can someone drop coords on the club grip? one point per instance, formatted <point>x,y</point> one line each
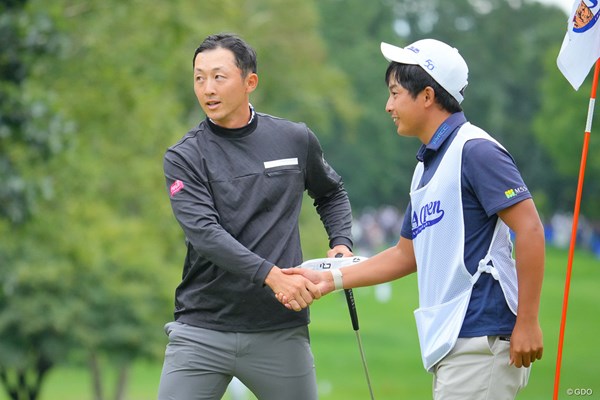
<point>351,304</point>
<point>352,308</point>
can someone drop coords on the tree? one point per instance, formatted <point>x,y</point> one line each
<point>37,290</point>
<point>111,247</point>
<point>560,127</point>
<point>503,95</point>
<point>31,133</point>
<point>376,166</point>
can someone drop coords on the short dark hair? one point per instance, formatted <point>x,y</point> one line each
<point>414,79</point>
<point>245,56</point>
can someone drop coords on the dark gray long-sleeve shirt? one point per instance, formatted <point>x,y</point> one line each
<point>237,194</point>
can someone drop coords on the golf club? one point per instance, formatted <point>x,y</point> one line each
<point>323,264</point>
<point>354,318</point>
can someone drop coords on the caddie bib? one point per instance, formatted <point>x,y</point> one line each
<point>438,235</point>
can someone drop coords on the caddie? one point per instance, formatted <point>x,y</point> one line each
<point>477,319</point>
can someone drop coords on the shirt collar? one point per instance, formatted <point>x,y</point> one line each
<point>252,114</point>
<point>235,132</point>
<point>443,132</point>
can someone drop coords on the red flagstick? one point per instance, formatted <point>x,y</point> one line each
<point>586,141</point>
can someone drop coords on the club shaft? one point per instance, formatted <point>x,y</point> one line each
<point>364,362</point>
<point>354,317</point>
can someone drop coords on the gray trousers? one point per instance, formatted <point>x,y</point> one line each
<point>200,363</point>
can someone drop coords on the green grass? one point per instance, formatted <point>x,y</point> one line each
<point>390,343</point>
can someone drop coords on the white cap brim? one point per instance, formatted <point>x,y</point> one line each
<point>398,54</point>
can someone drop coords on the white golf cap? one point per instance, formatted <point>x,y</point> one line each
<point>438,59</point>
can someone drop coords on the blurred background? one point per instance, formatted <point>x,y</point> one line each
<point>92,92</point>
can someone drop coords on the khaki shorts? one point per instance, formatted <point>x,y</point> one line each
<point>478,369</point>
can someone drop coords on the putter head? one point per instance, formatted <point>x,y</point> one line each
<point>328,263</point>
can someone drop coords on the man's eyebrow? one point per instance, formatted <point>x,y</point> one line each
<point>219,68</point>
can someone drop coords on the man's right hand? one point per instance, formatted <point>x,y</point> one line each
<point>322,279</point>
<point>296,289</point>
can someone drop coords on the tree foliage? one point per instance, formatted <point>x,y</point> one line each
<point>375,164</point>
<point>100,259</point>
<point>32,132</point>
<point>503,42</point>
<point>93,92</point>
<point>559,128</point>
<point>31,129</point>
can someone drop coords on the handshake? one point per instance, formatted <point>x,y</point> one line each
<point>311,280</point>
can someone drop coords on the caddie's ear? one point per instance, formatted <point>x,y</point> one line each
<point>251,82</point>
<point>428,95</point>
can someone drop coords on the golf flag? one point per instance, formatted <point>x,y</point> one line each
<point>581,46</point>
<point>579,51</point>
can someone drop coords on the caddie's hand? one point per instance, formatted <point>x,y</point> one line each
<point>299,291</point>
<point>322,279</point>
<point>340,249</point>
<point>526,344</point>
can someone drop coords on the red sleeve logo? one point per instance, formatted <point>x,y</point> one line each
<point>176,187</point>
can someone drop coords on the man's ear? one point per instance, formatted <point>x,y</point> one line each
<point>251,82</point>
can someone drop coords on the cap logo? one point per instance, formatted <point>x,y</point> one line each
<point>413,49</point>
<point>429,65</point>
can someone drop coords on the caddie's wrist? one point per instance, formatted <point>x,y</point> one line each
<point>338,283</point>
